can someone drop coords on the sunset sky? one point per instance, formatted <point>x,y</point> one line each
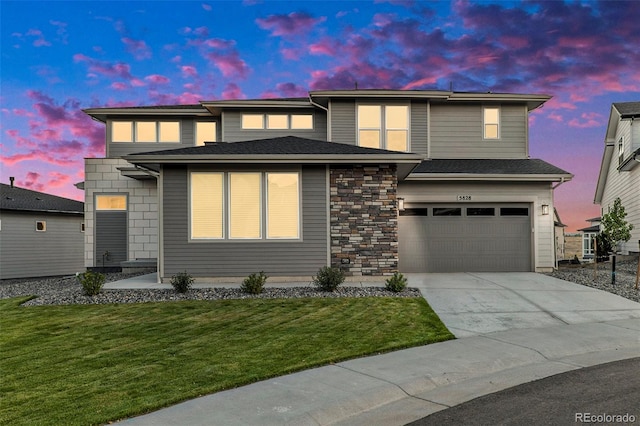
<point>59,57</point>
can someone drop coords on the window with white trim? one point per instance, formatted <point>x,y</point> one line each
<point>491,119</point>
<point>620,151</point>
<point>230,206</point>
<point>383,127</point>
<point>277,121</point>
<point>205,132</point>
<point>145,131</point>
<point>41,226</point>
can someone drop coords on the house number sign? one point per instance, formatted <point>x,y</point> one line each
<point>464,197</point>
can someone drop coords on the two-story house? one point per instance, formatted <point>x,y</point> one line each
<point>620,169</point>
<point>371,181</point>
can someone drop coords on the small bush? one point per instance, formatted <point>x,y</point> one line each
<point>254,283</point>
<point>396,283</point>
<point>181,282</point>
<point>91,282</point>
<point>328,279</point>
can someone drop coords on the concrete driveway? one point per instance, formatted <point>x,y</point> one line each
<point>478,303</point>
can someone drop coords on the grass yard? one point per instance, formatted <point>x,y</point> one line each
<point>91,364</point>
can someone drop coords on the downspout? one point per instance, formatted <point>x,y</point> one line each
<point>317,105</point>
<point>555,242</point>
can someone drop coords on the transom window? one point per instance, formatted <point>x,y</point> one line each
<point>205,132</point>
<point>384,127</point>
<point>245,205</point>
<point>111,202</point>
<point>491,122</point>
<point>145,131</point>
<point>277,121</point>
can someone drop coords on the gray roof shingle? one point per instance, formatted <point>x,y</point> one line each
<point>489,166</point>
<point>628,109</point>
<point>274,146</point>
<point>27,200</point>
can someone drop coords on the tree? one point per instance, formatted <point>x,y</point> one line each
<point>615,228</point>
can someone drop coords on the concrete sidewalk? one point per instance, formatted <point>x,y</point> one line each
<point>512,329</point>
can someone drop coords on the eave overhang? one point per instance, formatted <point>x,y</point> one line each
<point>533,101</point>
<point>216,107</point>
<point>101,114</point>
<point>604,171</point>
<point>489,177</point>
<point>405,162</point>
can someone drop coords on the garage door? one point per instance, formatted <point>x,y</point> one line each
<point>465,238</point>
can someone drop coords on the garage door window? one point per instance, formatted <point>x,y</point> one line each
<point>481,211</point>
<point>514,211</point>
<point>447,211</point>
<point>414,212</point>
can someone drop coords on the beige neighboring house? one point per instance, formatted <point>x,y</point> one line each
<point>620,169</point>
<point>588,236</point>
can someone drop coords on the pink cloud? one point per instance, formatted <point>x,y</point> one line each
<point>230,64</point>
<point>293,24</point>
<point>31,182</point>
<point>40,40</point>
<point>138,48</point>
<point>232,91</point>
<point>188,71</point>
<point>420,83</point>
<point>118,85</point>
<point>588,119</point>
<point>157,79</point>
<point>325,46</point>
<point>207,7</point>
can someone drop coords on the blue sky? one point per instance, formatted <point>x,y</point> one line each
<point>61,56</point>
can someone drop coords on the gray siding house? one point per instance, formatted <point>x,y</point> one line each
<point>370,181</point>
<point>40,234</point>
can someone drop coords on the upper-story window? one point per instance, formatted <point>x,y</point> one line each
<point>145,131</point>
<point>384,127</point>
<point>620,151</point>
<point>491,122</point>
<point>277,121</point>
<point>205,132</point>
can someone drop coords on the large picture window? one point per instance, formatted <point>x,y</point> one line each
<point>246,214</point>
<point>384,127</point>
<point>205,132</point>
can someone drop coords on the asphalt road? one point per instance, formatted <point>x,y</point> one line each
<point>593,395</point>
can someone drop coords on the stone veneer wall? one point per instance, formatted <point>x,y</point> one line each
<point>364,219</point>
<point>102,176</point>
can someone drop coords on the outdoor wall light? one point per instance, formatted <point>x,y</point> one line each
<point>401,204</point>
<point>545,209</point>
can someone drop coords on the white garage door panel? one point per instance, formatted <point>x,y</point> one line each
<point>465,243</point>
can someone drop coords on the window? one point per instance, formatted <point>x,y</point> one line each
<point>447,211</point>
<point>302,121</point>
<point>514,211</point>
<point>393,135</point>
<point>82,227</point>
<point>205,132</point>
<point>277,121</point>
<point>111,202</point>
<point>620,151</point>
<point>246,213</point>
<point>244,205</point>
<point>207,205</point>
<point>283,205</point>
<point>415,212</point>
<point>491,123</point>
<point>481,211</point>
<point>588,244</point>
<point>41,226</point>
<point>252,121</point>
<point>145,131</point>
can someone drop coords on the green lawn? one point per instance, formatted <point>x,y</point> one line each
<point>89,364</point>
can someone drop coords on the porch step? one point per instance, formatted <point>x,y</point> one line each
<point>139,265</point>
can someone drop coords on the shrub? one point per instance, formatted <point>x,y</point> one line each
<point>254,283</point>
<point>181,282</point>
<point>328,279</point>
<point>396,283</point>
<point>91,282</point>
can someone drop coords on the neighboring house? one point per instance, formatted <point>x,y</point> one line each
<point>559,234</point>
<point>620,169</point>
<point>40,234</point>
<point>588,237</point>
<point>371,181</point>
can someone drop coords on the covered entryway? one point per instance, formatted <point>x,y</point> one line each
<point>465,238</point>
<point>110,229</point>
